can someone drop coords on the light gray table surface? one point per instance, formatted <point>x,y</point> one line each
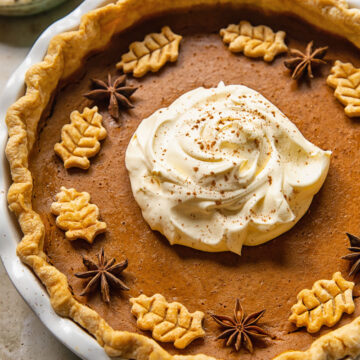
<point>22,335</point>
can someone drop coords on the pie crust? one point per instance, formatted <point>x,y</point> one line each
<point>65,55</point>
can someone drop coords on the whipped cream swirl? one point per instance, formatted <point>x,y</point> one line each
<point>221,168</point>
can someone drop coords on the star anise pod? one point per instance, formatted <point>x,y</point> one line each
<point>113,91</point>
<point>355,256</point>
<point>105,272</point>
<point>241,328</point>
<point>302,63</point>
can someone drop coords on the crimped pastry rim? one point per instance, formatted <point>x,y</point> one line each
<point>61,61</point>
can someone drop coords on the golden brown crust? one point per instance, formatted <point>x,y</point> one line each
<point>65,55</point>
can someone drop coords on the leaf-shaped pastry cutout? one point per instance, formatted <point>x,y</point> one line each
<point>76,215</point>
<point>152,53</point>
<point>169,322</point>
<point>345,79</point>
<point>254,41</point>
<point>324,304</point>
<point>80,138</point>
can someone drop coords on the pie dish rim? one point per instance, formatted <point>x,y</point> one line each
<point>338,343</point>
<point>21,276</point>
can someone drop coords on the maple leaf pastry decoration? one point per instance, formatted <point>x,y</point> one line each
<point>116,92</point>
<point>240,329</point>
<point>104,273</point>
<point>303,63</point>
<point>354,257</point>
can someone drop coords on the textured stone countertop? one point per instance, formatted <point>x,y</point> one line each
<point>22,335</point>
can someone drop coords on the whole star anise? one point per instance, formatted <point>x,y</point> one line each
<point>115,92</point>
<point>104,272</point>
<point>355,256</point>
<point>241,328</point>
<point>302,63</point>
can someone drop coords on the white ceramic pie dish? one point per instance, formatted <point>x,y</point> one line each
<point>29,287</point>
<point>22,277</point>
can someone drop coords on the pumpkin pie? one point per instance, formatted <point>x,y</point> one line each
<point>185,177</point>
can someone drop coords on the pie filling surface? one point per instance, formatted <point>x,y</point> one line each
<point>268,276</point>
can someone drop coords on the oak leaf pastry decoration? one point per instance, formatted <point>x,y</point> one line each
<point>345,79</point>
<point>151,54</point>
<point>105,273</point>
<point>254,41</point>
<point>76,215</point>
<point>241,328</point>
<point>354,257</point>
<point>114,91</point>
<point>303,63</point>
<point>169,322</point>
<point>324,304</point>
<point>80,140</point>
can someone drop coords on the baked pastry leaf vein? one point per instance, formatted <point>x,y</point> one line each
<point>254,41</point>
<point>345,79</point>
<point>169,322</point>
<point>76,215</point>
<point>80,139</point>
<point>324,304</point>
<point>151,54</point>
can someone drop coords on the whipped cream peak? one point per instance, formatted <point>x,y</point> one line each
<point>221,168</point>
